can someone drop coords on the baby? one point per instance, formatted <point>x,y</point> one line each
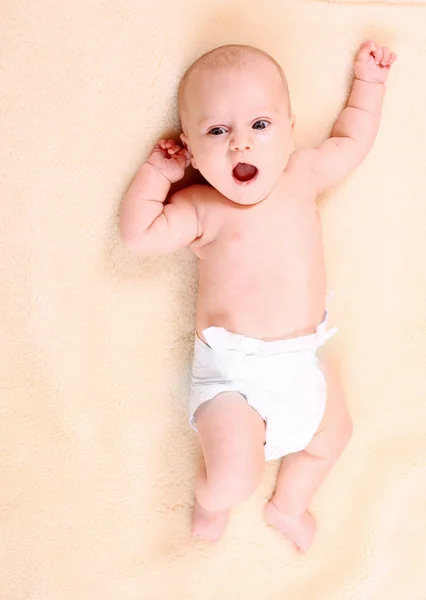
<point>259,391</point>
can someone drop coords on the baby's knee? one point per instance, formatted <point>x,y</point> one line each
<point>341,437</point>
<point>346,430</point>
<point>222,491</point>
<point>332,441</point>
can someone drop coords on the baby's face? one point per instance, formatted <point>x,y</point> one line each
<point>238,129</point>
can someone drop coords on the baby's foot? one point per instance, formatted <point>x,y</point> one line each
<point>208,525</point>
<point>300,528</point>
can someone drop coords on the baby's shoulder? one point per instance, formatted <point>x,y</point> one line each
<point>300,173</point>
<point>301,161</point>
<point>205,197</point>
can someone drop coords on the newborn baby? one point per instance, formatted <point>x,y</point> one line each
<point>259,391</point>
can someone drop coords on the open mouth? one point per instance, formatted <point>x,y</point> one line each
<point>244,173</point>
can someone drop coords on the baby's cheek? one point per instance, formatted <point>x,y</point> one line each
<point>208,165</point>
<point>215,174</point>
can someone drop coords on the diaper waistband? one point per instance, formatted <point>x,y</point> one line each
<point>219,338</point>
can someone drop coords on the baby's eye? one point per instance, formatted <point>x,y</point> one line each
<point>261,125</point>
<point>217,131</point>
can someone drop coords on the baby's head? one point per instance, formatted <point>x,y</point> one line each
<point>236,120</point>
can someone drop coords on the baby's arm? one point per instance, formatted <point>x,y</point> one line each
<point>147,226</point>
<point>356,128</point>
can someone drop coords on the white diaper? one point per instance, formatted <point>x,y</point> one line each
<point>281,380</point>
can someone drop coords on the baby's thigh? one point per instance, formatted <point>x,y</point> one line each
<point>232,436</point>
<point>335,428</point>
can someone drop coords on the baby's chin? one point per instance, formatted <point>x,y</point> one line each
<point>247,194</point>
<point>245,201</point>
<point>244,196</point>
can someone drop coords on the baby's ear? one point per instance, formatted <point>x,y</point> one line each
<point>184,140</point>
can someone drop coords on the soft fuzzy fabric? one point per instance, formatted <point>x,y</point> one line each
<point>96,457</point>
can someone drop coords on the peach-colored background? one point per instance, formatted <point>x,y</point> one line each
<point>96,457</point>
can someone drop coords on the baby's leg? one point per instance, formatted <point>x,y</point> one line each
<point>231,436</point>
<point>302,473</point>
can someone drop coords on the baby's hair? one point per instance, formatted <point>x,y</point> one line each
<point>232,55</point>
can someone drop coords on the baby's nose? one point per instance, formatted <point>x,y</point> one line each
<point>241,142</point>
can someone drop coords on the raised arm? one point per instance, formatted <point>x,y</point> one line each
<point>147,226</point>
<point>356,128</point>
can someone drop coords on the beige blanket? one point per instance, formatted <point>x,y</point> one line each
<point>96,457</point>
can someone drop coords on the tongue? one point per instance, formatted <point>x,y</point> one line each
<point>244,172</point>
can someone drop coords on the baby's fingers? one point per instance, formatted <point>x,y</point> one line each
<point>166,144</point>
<point>181,153</point>
<point>392,58</point>
<point>366,50</point>
<point>182,156</point>
<point>174,149</point>
<point>378,55</point>
<point>386,55</point>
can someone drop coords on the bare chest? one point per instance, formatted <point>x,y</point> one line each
<point>269,232</point>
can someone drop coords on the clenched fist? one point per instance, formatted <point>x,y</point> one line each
<point>373,63</point>
<point>170,160</point>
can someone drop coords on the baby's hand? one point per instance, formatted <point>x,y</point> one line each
<point>170,159</point>
<point>373,63</point>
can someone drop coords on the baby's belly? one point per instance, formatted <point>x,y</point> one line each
<point>270,303</point>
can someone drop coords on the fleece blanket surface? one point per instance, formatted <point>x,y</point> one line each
<point>96,457</point>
